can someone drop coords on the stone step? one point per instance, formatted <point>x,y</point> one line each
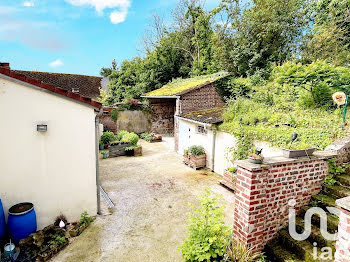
<point>315,235</point>
<point>303,249</point>
<point>332,221</point>
<point>323,201</point>
<point>336,191</point>
<point>343,180</point>
<point>277,253</point>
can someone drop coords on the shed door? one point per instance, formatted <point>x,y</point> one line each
<point>184,136</point>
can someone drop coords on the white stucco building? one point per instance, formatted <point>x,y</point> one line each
<point>54,169</point>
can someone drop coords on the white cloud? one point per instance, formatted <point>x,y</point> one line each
<point>56,63</point>
<point>116,16</point>
<point>28,4</point>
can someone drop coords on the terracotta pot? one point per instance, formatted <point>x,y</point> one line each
<point>138,151</point>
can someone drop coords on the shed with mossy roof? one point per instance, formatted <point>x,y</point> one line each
<point>182,96</point>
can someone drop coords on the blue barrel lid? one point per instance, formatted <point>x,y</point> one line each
<point>21,209</point>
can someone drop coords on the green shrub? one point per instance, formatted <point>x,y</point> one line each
<point>85,219</point>
<point>131,138</point>
<point>107,137</point>
<point>114,115</point>
<point>121,134</point>
<point>147,136</point>
<point>238,252</point>
<point>334,168</point>
<point>196,150</point>
<point>207,234</point>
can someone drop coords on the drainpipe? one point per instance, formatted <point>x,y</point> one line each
<point>97,122</point>
<point>213,150</point>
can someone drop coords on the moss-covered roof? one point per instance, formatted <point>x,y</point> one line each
<point>180,85</point>
<point>210,116</point>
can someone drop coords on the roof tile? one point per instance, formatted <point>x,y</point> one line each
<point>38,83</point>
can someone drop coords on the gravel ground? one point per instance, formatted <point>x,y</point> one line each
<point>151,194</point>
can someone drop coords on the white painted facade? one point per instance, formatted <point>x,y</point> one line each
<point>55,170</point>
<point>189,136</point>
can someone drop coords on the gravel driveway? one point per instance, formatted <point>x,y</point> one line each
<point>151,194</point>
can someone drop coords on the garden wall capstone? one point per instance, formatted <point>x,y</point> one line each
<point>263,194</point>
<point>343,241</point>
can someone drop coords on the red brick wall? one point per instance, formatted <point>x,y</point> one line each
<point>262,196</point>
<point>201,99</point>
<point>343,241</point>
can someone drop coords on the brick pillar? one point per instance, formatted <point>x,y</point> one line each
<point>250,207</point>
<point>263,194</point>
<point>343,242</point>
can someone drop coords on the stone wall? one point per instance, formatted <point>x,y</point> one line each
<point>343,240</point>
<point>132,121</point>
<point>341,148</point>
<point>163,118</point>
<point>263,193</point>
<point>202,98</point>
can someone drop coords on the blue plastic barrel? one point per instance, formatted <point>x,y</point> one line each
<point>21,221</point>
<point>2,221</point>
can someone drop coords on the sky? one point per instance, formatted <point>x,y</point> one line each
<point>75,36</point>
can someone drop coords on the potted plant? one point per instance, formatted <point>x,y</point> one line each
<point>151,137</point>
<point>256,157</point>
<point>101,145</point>
<point>229,179</point>
<point>196,157</point>
<point>106,138</point>
<point>133,149</point>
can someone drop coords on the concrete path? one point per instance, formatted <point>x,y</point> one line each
<point>151,194</point>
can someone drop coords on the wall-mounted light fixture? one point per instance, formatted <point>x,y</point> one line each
<point>41,128</point>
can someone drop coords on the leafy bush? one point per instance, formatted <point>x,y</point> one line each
<point>131,138</point>
<point>85,219</point>
<point>107,137</point>
<point>147,136</point>
<point>207,234</point>
<point>121,134</point>
<point>238,252</point>
<point>196,150</point>
<point>334,168</point>
<point>114,115</point>
<point>330,181</point>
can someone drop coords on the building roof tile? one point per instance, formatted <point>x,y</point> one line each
<point>5,70</point>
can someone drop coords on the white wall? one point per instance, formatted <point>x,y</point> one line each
<point>188,137</point>
<point>223,142</point>
<point>54,170</point>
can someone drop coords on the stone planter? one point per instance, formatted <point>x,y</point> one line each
<point>118,149</point>
<point>138,151</point>
<point>297,152</point>
<point>195,162</point>
<point>229,180</point>
<point>156,139</point>
<point>78,229</point>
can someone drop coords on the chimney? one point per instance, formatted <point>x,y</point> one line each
<point>5,65</point>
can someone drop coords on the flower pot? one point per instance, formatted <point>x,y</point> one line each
<point>102,147</point>
<point>254,160</point>
<point>105,155</point>
<point>229,180</point>
<point>293,153</point>
<point>197,161</point>
<point>138,151</point>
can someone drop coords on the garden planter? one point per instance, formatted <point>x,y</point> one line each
<point>138,151</point>
<point>297,152</point>
<point>78,229</point>
<point>156,139</point>
<point>102,147</point>
<point>255,160</point>
<point>118,149</point>
<point>229,180</point>
<point>195,161</point>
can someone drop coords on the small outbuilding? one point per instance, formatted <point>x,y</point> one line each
<point>48,147</point>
